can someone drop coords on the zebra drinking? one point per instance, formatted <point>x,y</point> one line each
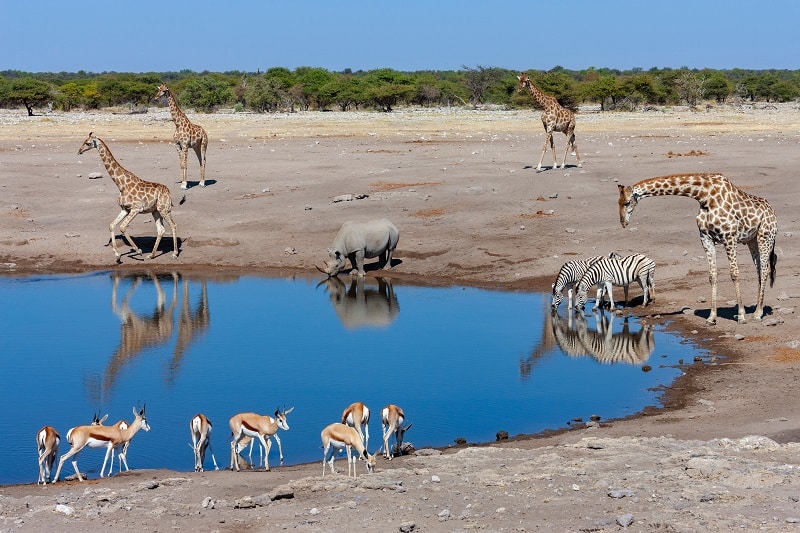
<point>621,272</point>
<point>568,276</point>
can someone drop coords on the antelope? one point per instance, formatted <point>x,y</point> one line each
<point>108,437</point>
<point>257,426</point>
<point>340,436</point>
<point>200,426</point>
<point>392,422</point>
<point>47,441</point>
<point>123,454</point>
<point>357,416</point>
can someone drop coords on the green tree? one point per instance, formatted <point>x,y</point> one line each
<point>29,92</point>
<point>204,93</point>
<point>385,88</point>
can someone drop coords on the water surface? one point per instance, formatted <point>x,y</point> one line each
<point>461,362</point>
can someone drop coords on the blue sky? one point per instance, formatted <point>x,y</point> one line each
<point>406,35</point>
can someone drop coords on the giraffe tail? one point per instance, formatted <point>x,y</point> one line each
<point>773,260</point>
<point>182,200</point>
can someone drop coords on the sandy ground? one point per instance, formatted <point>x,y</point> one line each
<point>472,210</point>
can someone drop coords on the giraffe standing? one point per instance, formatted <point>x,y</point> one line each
<point>727,216</point>
<point>135,196</point>
<point>187,135</point>
<point>554,118</point>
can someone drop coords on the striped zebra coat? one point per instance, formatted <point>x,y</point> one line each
<point>621,272</point>
<point>568,276</point>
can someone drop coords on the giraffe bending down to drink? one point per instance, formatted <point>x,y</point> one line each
<point>135,196</point>
<point>727,216</point>
<point>554,118</point>
<point>187,135</point>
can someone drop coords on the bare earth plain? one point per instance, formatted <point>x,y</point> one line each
<point>719,454</point>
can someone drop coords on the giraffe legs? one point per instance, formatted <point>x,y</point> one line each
<point>571,144</point>
<point>200,150</point>
<point>183,153</point>
<point>160,232</point>
<point>548,139</point>
<point>125,217</point>
<point>730,250</point>
<point>711,255</point>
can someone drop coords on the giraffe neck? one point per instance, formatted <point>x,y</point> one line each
<point>545,101</point>
<point>689,185</point>
<point>178,116</point>
<point>115,170</point>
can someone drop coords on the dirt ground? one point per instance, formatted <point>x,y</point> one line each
<point>472,210</point>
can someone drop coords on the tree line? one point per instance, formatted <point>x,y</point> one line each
<point>308,88</point>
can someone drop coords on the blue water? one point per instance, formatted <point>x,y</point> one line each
<point>461,362</point>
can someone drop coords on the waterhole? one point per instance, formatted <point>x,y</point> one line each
<point>463,363</point>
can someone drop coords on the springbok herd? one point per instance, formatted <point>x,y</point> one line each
<point>352,433</point>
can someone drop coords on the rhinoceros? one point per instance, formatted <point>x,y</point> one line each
<point>359,240</point>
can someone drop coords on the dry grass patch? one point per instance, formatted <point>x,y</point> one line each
<point>690,153</point>
<point>784,354</point>
<point>427,213</point>
<point>390,185</point>
<point>537,214</point>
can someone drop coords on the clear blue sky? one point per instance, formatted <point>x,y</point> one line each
<point>406,35</point>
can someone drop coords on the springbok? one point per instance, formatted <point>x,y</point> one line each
<point>200,426</point>
<point>337,436</point>
<point>392,422</point>
<point>357,416</point>
<point>47,441</point>
<point>108,437</point>
<point>257,426</point>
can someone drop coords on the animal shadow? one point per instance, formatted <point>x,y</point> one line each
<point>729,313</point>
<point>146,245</point>
<point>193,184</point>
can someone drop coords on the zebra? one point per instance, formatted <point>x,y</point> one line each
<point>621,272</point>
<point>568,276</point>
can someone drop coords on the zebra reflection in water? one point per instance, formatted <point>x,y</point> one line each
<point>572,335</point>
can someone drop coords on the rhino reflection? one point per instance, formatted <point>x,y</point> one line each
<point>363,306</point>
<point>574,338</point>
<point>140,331</point>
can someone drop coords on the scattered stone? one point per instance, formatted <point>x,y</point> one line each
<point>444,514</point>
<point>773,321</point>
<point>307,208</point>
<point>786,311</point>
<point>793,344</point>
<point>95,175</point>
<point>408,527</point>
<point>620,493</point>
<point>570,230</point>
<point>343,198</point>
<point>435,478</point>
<point>244,503</point>
<point>208,503</point>
<point>460,441</point>
<point>284,492</point>
<point>625,520</point>
<point>289,250</point>
<point>502,435</point>
<point>314,511</point>
<point>65,509</point>
<point>361,196</point>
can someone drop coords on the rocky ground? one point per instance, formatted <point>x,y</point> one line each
<point>460,185</point>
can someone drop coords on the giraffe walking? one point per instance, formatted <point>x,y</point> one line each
<point>187,135</point>
<point>727,216</point>
<point>135,196</point>
<point>554,118</point>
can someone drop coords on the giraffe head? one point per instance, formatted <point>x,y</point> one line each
<point>88,144</point>
<point>163,91</point>
<point>524,81</point>
<point>627,203</point>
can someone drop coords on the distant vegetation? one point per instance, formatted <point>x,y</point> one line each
<point>306,88</point>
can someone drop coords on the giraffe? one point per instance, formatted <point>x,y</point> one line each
<point>727,216</point>
<point>554,118</point>
<point>187,135</point>
<point>135,196</point>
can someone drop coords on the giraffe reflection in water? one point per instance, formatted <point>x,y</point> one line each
<point>573,337</point>
<point>142,331</point>
<point>361,305</point>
